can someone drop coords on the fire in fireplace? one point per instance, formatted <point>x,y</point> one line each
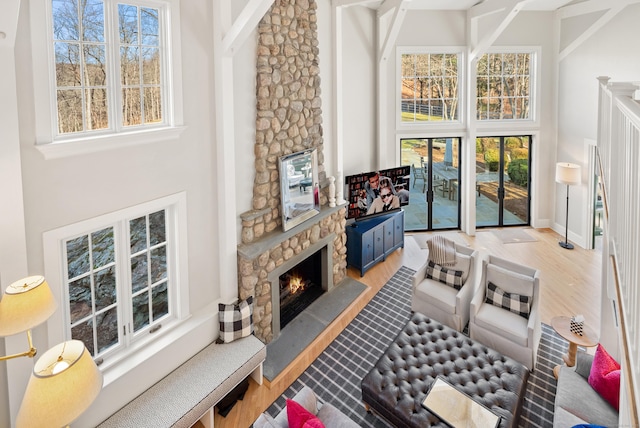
<point>299,287</point>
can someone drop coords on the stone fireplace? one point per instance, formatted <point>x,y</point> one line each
<point>263,262</point>
<point>298,283</point>
<point>289,119</point>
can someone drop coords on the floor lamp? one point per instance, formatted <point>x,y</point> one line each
<point>569,174</point>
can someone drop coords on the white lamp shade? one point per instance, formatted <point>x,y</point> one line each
<point>25,304</point>
<point>568,173</point>
<point>64,383</point>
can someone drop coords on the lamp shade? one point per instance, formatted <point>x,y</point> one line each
<point>568,173</point>
<point>64,383</point>
<point>25,304</point>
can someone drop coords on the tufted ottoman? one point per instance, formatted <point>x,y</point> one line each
<point>398,383</point>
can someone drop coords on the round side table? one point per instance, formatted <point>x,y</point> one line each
<point>588,339</point>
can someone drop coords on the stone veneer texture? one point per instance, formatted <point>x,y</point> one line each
<point>254,273</point>
<point>289,109</point>
<point>289,119</point>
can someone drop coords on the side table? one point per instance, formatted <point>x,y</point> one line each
<point>588,339</point>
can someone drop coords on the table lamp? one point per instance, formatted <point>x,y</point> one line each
<point>569,174</point>
<point>63,384</point>
<point>25,304</point>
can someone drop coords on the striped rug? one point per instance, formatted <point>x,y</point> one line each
<point>336,374</point>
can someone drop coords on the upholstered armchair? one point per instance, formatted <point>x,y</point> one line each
<point>504,311</point>
<point>443,302</point>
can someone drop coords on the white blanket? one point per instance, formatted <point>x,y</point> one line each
<point>442,251</point>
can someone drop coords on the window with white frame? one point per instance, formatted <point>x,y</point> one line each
<point>118,280</point>
<point>504,86</point>
<point>105,74</point>
<point>429,87</point>
<point>109,61</point>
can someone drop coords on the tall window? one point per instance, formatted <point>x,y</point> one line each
<point>429,87</point>
<point>109,62</point>
<point>504,82</point>
<point>118,276</point>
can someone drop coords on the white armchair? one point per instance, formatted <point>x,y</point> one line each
<point>502,329</point>
<point>443,302</point>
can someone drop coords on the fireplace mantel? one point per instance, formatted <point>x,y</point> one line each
<point>272,239</point>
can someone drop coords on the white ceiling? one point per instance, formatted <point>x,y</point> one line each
<point>466,4</point>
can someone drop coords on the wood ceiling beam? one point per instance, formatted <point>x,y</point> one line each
<point>614,8</point>
<point>399,8</point>
<point>506,10</point>
<point>346,3</point>
<point>244,25</point>
<point>591,6</point>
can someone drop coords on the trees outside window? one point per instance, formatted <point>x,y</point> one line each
<point>109,59</point>
<point>504,86</point>
<point>429,87</point>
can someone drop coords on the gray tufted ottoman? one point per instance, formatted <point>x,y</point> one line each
<point>424,349</point>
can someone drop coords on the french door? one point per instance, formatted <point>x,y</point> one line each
<point>434,183</point>
<point>503,181</point>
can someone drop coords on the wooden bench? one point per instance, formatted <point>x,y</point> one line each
<point>189,393</point>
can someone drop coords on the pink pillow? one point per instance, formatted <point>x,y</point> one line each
<point>605,377</point>
<point>299,417</point>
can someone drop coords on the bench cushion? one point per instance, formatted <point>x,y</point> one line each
<point>184,395</point>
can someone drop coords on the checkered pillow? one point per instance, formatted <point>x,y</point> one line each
<point>515,303</point>
<point>236,321</point>
<point>446,276</point>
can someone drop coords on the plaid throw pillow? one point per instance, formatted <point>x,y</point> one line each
<point>446,276</point>
<point>515,303</point>
<point>236,321</point>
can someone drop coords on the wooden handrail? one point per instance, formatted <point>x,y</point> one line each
<point>626,362</point>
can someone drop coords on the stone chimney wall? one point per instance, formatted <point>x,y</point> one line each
<point>289,108</point>
<point>289,119</point>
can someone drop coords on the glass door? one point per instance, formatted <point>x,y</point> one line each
<point>502,181</point>
<point>434,183</point>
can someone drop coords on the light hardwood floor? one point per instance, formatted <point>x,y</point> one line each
<point>569,281</point>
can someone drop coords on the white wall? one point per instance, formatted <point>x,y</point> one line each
<point>612,51</point>
<point>244,89</point>
<point>62,191</point>
<point>359,90</point>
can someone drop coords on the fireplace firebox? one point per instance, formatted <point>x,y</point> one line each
<point>310,272</point>
<point>299,287</point>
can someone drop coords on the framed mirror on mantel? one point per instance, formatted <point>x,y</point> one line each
<point>299,186</point>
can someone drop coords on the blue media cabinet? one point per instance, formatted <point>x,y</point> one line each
<point>370,241</point>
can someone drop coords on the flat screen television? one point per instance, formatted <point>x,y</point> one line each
<point>377,192</point>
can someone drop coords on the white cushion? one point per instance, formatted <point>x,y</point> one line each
<point>443,295</point>
<point>509,281</point>
<point>504,323</point>
<point>463,263</point>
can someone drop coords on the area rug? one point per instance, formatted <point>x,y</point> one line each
<point>511,236</point>
<point>336,374</point>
